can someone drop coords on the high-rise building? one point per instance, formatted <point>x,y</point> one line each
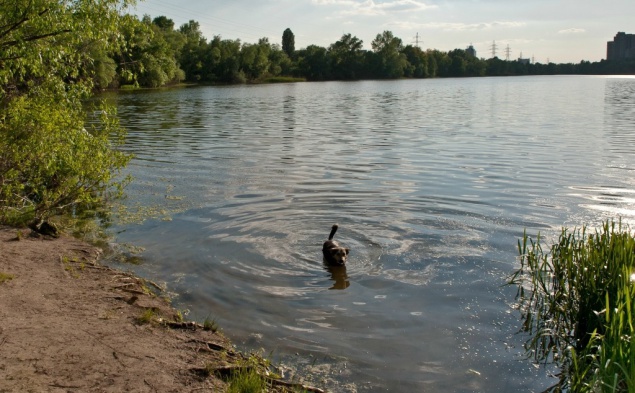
<point>622,47</point>
<point>471,51</point>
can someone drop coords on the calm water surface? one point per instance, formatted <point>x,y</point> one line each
<point>432,182</point>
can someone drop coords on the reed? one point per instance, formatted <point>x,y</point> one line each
<point>576,303</point>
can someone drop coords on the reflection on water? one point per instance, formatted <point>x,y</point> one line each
<point>338,276</point>
<point>432,183</point>
<point>619,112</point>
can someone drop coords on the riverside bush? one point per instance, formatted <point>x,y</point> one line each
<point>576,305</point>
<point>51,161</point>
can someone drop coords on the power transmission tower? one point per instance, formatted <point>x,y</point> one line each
<point>493,48</point>
<point>508,52</point>
<point>417,40</point>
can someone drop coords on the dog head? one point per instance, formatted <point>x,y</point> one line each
<point>338,255</point>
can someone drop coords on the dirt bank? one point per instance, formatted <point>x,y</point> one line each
<point>72,325</point>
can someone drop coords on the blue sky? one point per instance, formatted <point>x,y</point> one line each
<point>560,31</point>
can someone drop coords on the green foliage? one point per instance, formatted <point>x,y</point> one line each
<point>314,63</point>
<point>224,64</point>
<point>347,57</point>
<point>576,304</point>
<point>254,59</point>
<point>160,55</point>
<point>51,161</point>
<point>152,50</point>
<point>193,52</point>
<point>163,23</point>
<point>418,62</point>
<point>391,62</point>
<point>288,42</point>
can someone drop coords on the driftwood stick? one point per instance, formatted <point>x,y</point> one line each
<point>133,291</point>
<point>299,386</point>
<point>124,285</point>
<point>182,325</point>
<point>228,371</point>
<point>154,284</point>
<point>211,345</point>
<point>97,267</point>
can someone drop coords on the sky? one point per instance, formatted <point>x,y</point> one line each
<point>559,31</point>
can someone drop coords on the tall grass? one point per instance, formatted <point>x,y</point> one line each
<point>576,304</point>
<point>247,381</point>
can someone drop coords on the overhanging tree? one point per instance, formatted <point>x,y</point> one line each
<point>51,160</point>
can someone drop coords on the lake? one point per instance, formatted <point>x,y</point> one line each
<point>432,183</point>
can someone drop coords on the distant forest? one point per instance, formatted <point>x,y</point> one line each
<point>157,54</point>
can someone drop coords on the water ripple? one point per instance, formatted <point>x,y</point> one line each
<point>432,182</point>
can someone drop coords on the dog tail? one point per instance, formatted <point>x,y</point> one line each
<point>333,230</point>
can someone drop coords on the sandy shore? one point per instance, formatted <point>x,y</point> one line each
<point>72,325</point>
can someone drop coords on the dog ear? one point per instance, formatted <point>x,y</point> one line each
<point>347,250</point>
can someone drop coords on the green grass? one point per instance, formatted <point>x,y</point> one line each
<point>210,324</point>
<point>69,265</point>
<point>576,304</point>
<point>283,79</point>
<point>247,381</point>
<point>4,277</point>
<point>146,317</point>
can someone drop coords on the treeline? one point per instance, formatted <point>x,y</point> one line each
<point>54,55</point>
<point>158,54</point>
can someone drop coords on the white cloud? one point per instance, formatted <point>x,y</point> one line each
<point>572,31</point>
<point>401,6</point>
<point>459,26</point>
<point>372,8</point>
<point>334,2</point>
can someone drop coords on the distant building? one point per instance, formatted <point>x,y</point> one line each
<point>622,47</point>
<point>521,60</point>
<point>471,51</point>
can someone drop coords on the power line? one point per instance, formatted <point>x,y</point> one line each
<point>508,52</point>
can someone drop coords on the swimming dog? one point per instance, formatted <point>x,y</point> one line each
<point>334,254</point>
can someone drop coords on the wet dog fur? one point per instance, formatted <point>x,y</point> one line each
<point>334,254</point>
